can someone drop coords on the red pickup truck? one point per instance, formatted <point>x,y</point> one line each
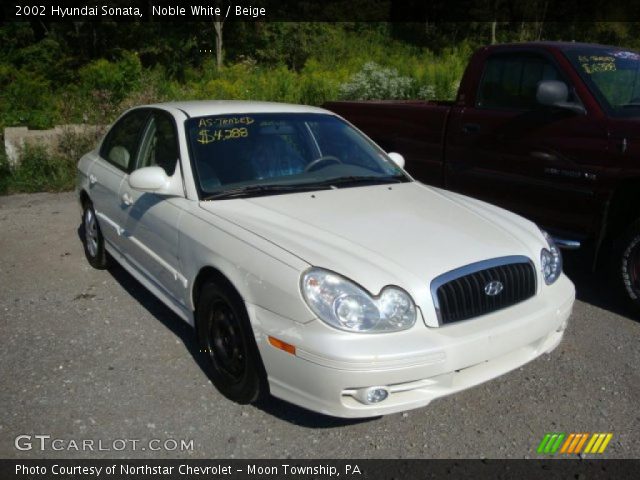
<point>549,130</point>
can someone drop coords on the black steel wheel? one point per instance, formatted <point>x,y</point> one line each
<point>227,341</point>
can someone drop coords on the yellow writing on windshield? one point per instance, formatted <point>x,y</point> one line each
<point>224,121</point>
<point>597,63</point>
<point>206,136</point>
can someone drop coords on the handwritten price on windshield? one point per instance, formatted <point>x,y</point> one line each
<point>206,136</point>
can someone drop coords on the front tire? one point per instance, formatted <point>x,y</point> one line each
<point>226,338</point>
<point>627,265</point>
<point>92,240</point>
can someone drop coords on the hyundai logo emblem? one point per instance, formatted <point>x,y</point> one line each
<point>493,288</point>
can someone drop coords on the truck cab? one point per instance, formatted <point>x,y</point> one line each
<point>549,130</point>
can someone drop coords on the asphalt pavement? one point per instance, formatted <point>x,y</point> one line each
<point>91,356</point>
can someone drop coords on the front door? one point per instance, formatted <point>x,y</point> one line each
<point>152,220</point>
<point>508,150</point>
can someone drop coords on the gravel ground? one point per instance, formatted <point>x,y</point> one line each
<point>92,355</point>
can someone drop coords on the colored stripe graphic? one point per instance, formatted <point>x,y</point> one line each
<point>598,443</point>
<point>550,443</point>
<point>573,443</point>
<point>581,442</point>
<point>567,442</point>
<point>544,441</point>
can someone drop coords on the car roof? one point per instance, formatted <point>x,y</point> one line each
<point>200,108</point>
<point>553,44</point>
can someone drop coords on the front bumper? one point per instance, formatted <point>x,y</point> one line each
<point>416,366</point>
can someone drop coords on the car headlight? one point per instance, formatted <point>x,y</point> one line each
<point>344,305</point>
<point>551,260</point>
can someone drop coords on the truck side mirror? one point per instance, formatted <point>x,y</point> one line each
<point>554,93</point>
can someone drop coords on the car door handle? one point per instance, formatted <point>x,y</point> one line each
<point>92,179</point>
<point>127,200</point>
<point>470,128</point>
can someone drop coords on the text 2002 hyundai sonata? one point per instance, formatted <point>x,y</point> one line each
<point>312,266</point>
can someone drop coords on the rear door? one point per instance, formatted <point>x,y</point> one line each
<point>506,149</point>
<point>117,156</point>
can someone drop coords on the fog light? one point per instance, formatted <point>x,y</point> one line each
<point>372,395</point>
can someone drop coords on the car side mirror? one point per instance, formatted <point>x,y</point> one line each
<point>149,179</point>
<point>397,159</point>
<point>554,93</point>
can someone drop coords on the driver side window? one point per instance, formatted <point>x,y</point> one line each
<point>510,81</point>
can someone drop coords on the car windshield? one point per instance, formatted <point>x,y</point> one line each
<point>251,153</point>
<point>613,75</point>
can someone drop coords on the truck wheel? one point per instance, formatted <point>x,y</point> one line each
<point>92,240</point>
<point>627,265</point>
<point>226,338</point>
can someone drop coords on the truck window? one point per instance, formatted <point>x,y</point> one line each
<point>510,81</point>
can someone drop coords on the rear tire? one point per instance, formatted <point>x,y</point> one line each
<point>626,262</point>
<point>92,240</point>
<point>227,340</point>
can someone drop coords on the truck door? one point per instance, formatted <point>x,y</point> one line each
<point>506,149</point>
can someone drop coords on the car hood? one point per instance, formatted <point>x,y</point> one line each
<point>400,234</point>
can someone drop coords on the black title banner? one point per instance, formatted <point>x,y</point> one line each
<point>326,10</point>
<point>317,469</point>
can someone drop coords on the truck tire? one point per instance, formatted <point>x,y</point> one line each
<point>626,262</point>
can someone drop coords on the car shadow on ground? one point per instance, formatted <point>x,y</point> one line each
<point>271,405</point>
<point>595,288</point>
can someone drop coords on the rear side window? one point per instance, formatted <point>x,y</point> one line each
<point>120,147</point>
<point>510,81</point>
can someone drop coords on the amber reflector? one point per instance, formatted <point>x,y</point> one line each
<point>282,345</point>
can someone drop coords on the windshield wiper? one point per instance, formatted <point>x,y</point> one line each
<point>256,190</point>
<point>367,180</point>
<point>631,105</point>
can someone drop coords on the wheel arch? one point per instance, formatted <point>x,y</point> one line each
<point>209,272</point>
<point>622,209</point>
<point>84,198</point>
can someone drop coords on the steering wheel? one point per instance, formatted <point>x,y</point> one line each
<point>323,159</point>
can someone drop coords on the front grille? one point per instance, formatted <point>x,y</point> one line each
<point>460,294</point>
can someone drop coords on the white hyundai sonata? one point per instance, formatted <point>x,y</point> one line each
<point>310,264</point>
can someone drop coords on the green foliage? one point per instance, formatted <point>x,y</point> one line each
<point>119,78</point>
<point>40,171</point>
<point>44,59</point>
<point>26,99</point>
